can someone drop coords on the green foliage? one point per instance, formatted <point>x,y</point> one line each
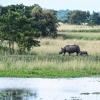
<point>94,19</point>
<point>45,21</point>
<point>22,25</point>
<point>37,10</point>
<point>79,35</point>
<point>78,17</point>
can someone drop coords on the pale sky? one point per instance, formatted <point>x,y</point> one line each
<point>91,5</point>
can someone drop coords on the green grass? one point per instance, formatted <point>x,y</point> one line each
<point>80,36</point>
<point>51,65</point>
<point>48,73</point>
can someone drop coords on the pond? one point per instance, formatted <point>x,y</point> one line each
<point>50,89</point>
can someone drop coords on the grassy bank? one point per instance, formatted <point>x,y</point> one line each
<point>46,62</point>
<point>49,66</point>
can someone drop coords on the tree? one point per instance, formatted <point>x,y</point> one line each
<point>26,34</point>
<point>45,21</point>
<point>9,28</point>
<point>23,25</point>
<point>50,22</point>
<point>94,19</point>
<point>16,27</point>
<point>78,17</point>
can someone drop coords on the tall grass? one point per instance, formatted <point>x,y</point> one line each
<point>46,62</point>
<point>54,45</point>
<point>42,65</point>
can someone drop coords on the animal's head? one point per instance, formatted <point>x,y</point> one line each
<point>62,51</point>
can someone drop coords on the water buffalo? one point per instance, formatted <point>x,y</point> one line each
<point>70,49</point>
<point>83,53</point>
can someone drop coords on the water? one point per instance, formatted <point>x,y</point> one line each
<point>50,89</point>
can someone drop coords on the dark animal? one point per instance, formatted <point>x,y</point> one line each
<point>70,49</point>
<point>83,53</point>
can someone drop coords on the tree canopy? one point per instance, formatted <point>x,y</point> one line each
<point>78,17</point>
<point>24,24</point>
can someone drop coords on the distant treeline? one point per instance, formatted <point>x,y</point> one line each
<point>22,25</point>
<point>78,17</point>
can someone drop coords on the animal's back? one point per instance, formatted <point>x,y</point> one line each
<point>72,48</point>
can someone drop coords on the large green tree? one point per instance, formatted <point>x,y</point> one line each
<point>45,20</point>
<point>23,25</point>
<point>17,28</point>
<point>9,28</point>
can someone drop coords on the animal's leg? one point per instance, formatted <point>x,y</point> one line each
<point>64,54</point>
<point>77,53</point>
<point>87,54</point>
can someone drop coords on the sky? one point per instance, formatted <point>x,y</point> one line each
<point>91,5</point>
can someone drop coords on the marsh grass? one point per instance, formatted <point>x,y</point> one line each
<point>46,62</point>
<point>47,66</point>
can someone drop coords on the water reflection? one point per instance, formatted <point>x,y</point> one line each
<point>17,94</point>
<point>50,89</point>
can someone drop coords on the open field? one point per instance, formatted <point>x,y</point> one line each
<point>46,62</point>
<point>78,28</point>
<point>80,35</point>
